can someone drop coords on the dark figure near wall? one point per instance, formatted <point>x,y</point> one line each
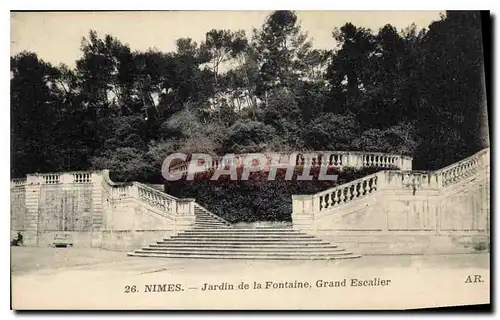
<point>17,242</point>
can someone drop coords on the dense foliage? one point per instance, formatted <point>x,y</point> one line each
<point>258,198</point>
<point>416,92</point>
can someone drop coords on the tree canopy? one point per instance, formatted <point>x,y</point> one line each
<point>415,92</point>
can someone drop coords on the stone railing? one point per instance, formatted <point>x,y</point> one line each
<point>165,204</point>
<point>16,183</point>
<point>339,159</point>
<point>354,159</point>
<point>345,194</point>
<point>464,168</point>
<point>55,178</point>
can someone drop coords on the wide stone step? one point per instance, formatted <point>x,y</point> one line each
<point>255,234</point>
<point>244,249</point>
<point>284,245</point>
<point>210,221</point>
<point>237,242</point>
<point>248,257</point>
<point>229,238</point>
<point>210,218</point>
<point>215,223</point>
<point>235,230</point>
<point>202,227</point>
<point>208,225</point>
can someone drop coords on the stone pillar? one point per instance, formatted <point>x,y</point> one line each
<point>437,180</point>
<point>33,189</point>
<point>355,160</point>
<point>184,215</point>
<point>387,179</point>
<point>406,163</point>
<point>97,208</point>
<point>303,211</point>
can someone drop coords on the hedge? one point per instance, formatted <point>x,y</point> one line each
<point>256,199</point>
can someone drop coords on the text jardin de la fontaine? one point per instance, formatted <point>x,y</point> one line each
<point>375,282</point>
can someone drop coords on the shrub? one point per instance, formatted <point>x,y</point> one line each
<point>256,199</point>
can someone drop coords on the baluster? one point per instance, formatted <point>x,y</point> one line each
<point>336,197</point>
<point>372,185</point>
<point>330,200</point>
<point>366,188</point>
<point>342,197</point>
<point>326,203</point>
<point>350,193</point>
<point>355,193</point>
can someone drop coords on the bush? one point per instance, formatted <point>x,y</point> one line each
<point>256,199</point>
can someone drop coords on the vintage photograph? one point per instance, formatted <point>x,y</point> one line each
<point>236,160</point>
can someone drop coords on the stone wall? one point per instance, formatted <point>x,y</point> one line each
<point>44,205</point>
<point>94,211</point>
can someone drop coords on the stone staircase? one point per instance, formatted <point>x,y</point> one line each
<point>214,238</point>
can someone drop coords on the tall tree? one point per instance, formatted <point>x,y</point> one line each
<point>281,46</point>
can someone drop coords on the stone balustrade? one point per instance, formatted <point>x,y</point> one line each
<point>320,203</point>
<point>464,168</point>
<point>345,193</point>
<point>21,182</point>
<point>55,178</point>
<point>338,159</point>
<point>155,198</point>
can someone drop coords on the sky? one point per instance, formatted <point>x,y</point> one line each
<point>56,36</point>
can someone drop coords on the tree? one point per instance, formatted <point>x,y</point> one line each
<point>451,89</point>
<point>280,46</point>
<point>346,71</point>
